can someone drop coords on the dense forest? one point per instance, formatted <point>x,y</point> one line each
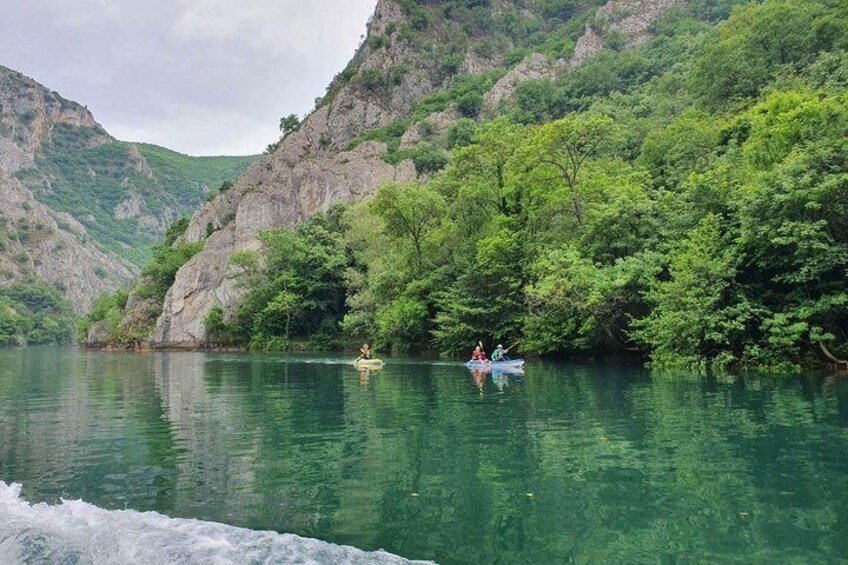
<point>687,201</point>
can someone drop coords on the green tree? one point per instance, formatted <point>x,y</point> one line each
<point>289,124</point>
<point>564,147</point>
<point>410,211</point>
<point>700,314</point>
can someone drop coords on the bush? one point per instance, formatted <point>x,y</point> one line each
<point>429,160</point>
<point>397,73</point>
<point>176,230</point>
<point>469,104</point>
<point>34,314</point>
<point>372,80</point>
<point>452,64</point>
<point>109,307</point>
<point>378,42</point>
<point>461,133</point>
<point>162,271</point>
<point>535,101</point>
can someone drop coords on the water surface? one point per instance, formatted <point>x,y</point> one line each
<point>565,464</point>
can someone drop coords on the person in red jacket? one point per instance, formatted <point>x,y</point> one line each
<point>478,354</point>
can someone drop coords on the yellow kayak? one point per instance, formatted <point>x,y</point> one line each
<point>370,363</point>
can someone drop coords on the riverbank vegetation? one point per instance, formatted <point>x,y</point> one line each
<point>688,201</point>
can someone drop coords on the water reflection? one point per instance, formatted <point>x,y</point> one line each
<point>365,374</point>
<point>561,464</point>
<point>479,376</point>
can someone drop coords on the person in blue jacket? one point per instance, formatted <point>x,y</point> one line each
<point>499,353</point>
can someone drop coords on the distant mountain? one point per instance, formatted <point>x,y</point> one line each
<point>38,244</point>
<point>125,194</point>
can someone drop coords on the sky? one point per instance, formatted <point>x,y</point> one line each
<point>203,77</point>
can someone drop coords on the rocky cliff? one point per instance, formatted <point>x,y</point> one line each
<point>29,113</point>
<point>316,165</point>
<point>37,243</point>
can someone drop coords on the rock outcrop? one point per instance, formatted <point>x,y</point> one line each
<point>313,168</point>
<point>29,113</point>
<point>630,18</point>
<point>534,67</point>
<point>38,243</point>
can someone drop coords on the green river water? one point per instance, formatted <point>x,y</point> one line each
<point>426,460</point>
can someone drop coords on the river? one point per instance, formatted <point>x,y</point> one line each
<point>197,458</point>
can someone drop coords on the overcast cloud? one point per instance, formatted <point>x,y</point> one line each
<point>204,77</point>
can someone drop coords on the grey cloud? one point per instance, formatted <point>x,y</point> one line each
<point>199,76</point>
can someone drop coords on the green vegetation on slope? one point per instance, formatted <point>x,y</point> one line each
<point>183,174</point>
<point>34,314</point>
<point>89,182</point>
<point>688,200</point>
<point>156,278</point>
<point>444,32</point>
<point>299,290</point>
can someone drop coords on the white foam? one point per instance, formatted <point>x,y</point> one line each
<point>75,532</point>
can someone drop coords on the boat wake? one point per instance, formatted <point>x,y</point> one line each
<point>80,533</point>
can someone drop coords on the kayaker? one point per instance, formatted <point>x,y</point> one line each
<point>498,353</point>
<point>364,352</point>
<point>478,354</point>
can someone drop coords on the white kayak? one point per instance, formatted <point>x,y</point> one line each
<point>505,364</point>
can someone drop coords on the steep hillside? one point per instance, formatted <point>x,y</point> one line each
<point>125,194</point>
<point>427,63</point>
<point>669,181</point>
<point>686,201</point>
<point>40,244</point>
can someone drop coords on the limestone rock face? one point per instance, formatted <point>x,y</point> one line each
<point>135,207</point>
<point>633,18</point>
<point>536,66</point>
<point>98,334</point>
<point>242,213</point>
<point>38,243</point>
<point>435,125</point>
